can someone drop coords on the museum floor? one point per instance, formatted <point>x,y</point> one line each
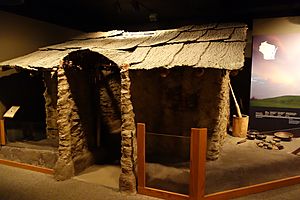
<point>239,165</point>
<point>23,184</point>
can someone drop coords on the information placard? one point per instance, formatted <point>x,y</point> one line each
<point>11,112</point>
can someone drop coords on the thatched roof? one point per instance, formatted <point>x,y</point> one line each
<point>209,45</point>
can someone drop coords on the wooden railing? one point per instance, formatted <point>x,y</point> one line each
<point>197,163</point>
<point>2,133</point>
<point>197,173</point>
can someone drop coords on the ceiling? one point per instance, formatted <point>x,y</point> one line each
<point>93,15</point>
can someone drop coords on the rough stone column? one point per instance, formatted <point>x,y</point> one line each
<point>73,152</point>
<point>64,167</point>
<point>221,122</point>
<point>50,96</point>
<point>224,106</point>
<point>127,180</point>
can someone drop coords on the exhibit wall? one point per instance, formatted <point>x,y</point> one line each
<point>275,91</point>
<point>22,35</point>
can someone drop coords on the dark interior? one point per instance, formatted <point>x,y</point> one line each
<point>24,89</point>
<point>95,72</point>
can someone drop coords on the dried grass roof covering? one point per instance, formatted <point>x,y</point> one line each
<point>207,45</point>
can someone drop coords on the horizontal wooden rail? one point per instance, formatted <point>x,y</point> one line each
<point>27,166</point>
<point>162,194</point>
<point>243,191</point>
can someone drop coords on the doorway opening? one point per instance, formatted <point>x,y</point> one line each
<point>95,85</point>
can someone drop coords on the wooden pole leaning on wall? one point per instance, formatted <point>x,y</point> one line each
<point>197,163</point>
<point>2,133</point>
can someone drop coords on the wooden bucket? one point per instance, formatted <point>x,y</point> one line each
<point>240,126</point>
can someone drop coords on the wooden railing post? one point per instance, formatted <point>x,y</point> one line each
<point>2,133</point>
<point>197,163</point>
<point>141,134</point>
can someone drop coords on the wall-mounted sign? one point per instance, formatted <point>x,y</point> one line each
<point>11,112</point>
<point>275,83</point>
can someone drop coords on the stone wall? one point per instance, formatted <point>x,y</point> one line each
<point>176,100</point>
<point>50,95</point>
<point>73,150</point>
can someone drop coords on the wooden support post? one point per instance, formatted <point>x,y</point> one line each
<point>2,133</point>
<point>141,134</point>
<point>197,163</point>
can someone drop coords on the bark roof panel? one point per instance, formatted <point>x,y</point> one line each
<point>38,59</point>
<point>138,55</point>
<point>188,36</point>
<point>230,25</point>
<point>160,37</point>
<point>213,55</point>
<point>124,42</point>
<point>117,56</point>
<point>239,34</point>
<point>94,35</point>
<point>210,45</point>
<point>234,57</point>
<point>190,54</point>
<point>203,27</point>
<point>231,57</point>
<point>105,43</point>
<point>216,34</point>
<point>160,56</point>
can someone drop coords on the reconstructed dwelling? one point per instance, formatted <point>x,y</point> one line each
<point>172,80</point>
